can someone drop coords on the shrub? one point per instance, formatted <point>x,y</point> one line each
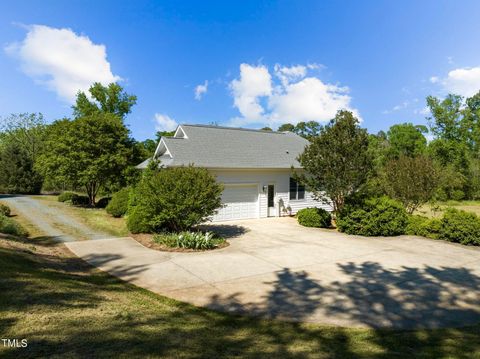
<point>118,205</point>
<point>314,217</point>
<point>79,200</point>
<point>9,226</point>
<point>423,226</point>
<point>381,216</point>
<point>103,202</point>
<point>190,240</point>
<point>174,199</point>
<point>460,226</point>
<point>4,210</point>
<point>66,196</point>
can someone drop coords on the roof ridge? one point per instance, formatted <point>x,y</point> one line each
<point>234,128</point>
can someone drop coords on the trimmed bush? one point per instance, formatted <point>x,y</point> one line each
<point>190,240</point>
<point>4,210</point>
<point>423,226</point>
<point>173,200</point>
<point>118,205</point>
<point>314,217</point>
<point>103,202</point>
<point>66,196</point>
<point>79,200</point>
<point>374,217</point>
<point>9,226</point>
<point>460,226</point>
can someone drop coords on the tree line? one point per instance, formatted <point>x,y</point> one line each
<point>94,152</point>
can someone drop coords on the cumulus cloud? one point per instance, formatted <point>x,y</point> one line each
<point>254,82</point>
<point>290,96</point>
<point>288,74</point>
<point>462,81</point>
<point>201,90</point>
<point>62,60</point>
<point>164,122</point>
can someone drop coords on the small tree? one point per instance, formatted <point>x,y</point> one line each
<point>411,180</point>
<point>173,199</point>
<point>337,162</point>
<point>17,174</point>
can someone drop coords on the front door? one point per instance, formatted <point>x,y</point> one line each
<point>271,200</point>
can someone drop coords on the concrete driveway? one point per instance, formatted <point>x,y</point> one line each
<point>278,269</point>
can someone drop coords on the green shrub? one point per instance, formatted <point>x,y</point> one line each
<point>103,202</point>
<point>190,240</point>
<point>314,217</point>
<point>137,220</point>
<point>79,200</point>
<point>5,210</point>
<point>460,226</point>
<point>381,216</point>
<point>423,226</point>
<point>174,199</point>
<point>66,196</point>
<point>118,205</point>
<point>9,226</point>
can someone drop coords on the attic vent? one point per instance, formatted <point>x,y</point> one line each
<point>287,152</point>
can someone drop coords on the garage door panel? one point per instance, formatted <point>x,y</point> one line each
<point>240,202</point>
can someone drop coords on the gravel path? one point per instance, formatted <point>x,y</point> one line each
<point>50,220</point>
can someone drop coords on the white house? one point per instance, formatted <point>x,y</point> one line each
<point>255,167</point>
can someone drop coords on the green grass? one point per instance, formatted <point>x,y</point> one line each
<point>429,209</point>
<point>64,308</point>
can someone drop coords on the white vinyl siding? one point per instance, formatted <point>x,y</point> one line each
<point>259,179</point>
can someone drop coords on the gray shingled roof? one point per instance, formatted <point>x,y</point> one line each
<point>224,147</point>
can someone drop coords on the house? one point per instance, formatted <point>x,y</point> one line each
<point>255,167</point>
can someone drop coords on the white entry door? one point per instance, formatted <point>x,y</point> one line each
<point>240,202</point>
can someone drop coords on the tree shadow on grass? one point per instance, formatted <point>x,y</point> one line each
<point>100,316</point>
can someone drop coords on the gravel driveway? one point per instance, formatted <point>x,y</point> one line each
<point>50,220</point>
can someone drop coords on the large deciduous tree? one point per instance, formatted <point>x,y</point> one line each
<point>104,99</point>
<point>90,151</point>
<point>337,162</point>
<point>406,139</point>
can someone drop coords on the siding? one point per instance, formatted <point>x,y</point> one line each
<point>281,180</point>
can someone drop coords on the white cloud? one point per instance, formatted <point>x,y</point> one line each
<point>288,74</point>
<point>164,122</point>
<point>422,111</point>
<point>293,97</point>
<point>254,82</point>
<point>201,90</point>
<point>463,81</point>
<point>62,60</point>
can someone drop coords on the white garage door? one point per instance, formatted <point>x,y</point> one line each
<point>240,202</point>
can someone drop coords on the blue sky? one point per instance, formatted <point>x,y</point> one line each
<point>261,63</point>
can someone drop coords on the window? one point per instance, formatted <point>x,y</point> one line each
<point>297,190</point>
